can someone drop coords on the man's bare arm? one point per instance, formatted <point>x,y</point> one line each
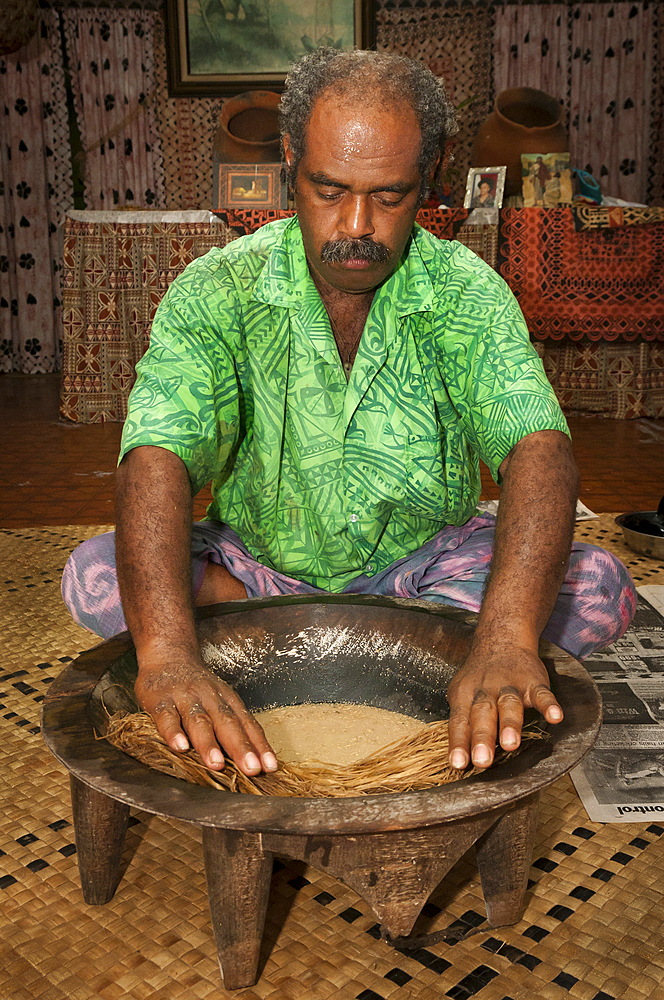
<point>503,672</point>
<point>189,704</point>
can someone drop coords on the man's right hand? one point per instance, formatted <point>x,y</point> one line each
<point>193,708</point>
<point>190,706</point>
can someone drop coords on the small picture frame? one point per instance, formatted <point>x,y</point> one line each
<point>484,187</point>
<point>546,179</point>
<point>247,185</point>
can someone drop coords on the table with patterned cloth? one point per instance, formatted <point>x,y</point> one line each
<point>117,267</point>
<point>593,299</point>
<point>590,283</point>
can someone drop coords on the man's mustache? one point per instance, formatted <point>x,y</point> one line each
<point>338,251</point>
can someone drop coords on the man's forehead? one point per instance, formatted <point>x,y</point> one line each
<point>351,131</point>
<point>339,107</point>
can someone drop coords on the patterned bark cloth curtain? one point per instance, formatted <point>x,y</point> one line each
<point>454,41</point>
<point>612,65</point>
<point>187,126</point>
<point>531,49</point>
<point>601,61</point>
<point>111,61</point>
<point>35,192</point>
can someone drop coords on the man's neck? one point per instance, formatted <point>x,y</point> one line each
<point>347,313</point>
<point>339,302</point>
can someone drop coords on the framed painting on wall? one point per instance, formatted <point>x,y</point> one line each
<point>218,47</point>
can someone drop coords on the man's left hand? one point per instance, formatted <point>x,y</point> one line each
<point>488,696</point>
<point>503,673</point>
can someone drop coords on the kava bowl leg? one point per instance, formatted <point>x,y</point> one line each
<point>238,874</point>
<point>504,855</point>
<point>100,825</point>
<point>394,871</point>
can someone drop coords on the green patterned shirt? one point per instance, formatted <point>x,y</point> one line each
<point>322,479</point>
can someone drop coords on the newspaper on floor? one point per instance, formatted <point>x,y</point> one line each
<point>621,780</point>
<point>583,513</point>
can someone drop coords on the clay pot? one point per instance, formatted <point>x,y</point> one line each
<point>248,129</point>
<point>524,120</point>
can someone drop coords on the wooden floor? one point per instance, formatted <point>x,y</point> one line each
<point>62,473</point>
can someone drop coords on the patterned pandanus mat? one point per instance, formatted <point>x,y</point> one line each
<point>592,929</point>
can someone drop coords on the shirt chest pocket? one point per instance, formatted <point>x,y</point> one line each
<point>411,468</point>
<point>425,484</point>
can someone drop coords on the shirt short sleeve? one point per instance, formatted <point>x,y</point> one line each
<point>499,385</point>
<point>185,398</point>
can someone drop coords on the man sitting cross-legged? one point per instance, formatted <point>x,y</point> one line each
<point>337,376</point>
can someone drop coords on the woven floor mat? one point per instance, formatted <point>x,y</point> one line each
<point>605,532</point>
<point>592,929</point>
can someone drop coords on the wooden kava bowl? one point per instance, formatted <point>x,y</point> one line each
<point>393,849</point>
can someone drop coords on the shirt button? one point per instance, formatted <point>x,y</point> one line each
<point>353,518</point>
<point>369,567</point>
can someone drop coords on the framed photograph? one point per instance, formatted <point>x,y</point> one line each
<point>546,179</point>
<point>245,185</point>
<point>221,47</point>
<point>484,187</point>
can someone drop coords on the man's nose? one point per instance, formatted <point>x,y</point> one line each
<point>356,220</point>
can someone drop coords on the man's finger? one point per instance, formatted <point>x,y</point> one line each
<point>229,700</point>
<point>257,736</point>
<point>510,713</point>
<point>220,727</point>
<point>483,723</point>
<point>545,702</point>
<point>250,755</point>
<point>201,732</point>
<point>459,737</point>
<point>167,720</point>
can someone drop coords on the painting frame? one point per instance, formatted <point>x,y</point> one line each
<point>183,83</point>
<point>496,178</point>
<point>262,179</point>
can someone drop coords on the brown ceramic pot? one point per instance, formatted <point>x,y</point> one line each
<point>524,120</point>
<point>248,129</point>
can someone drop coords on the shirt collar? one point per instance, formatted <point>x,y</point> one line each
<point>285,280</point>
<point>410,288</point>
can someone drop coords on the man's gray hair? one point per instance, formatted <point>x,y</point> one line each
<point>367,77</point>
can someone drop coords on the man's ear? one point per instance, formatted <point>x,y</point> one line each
<point>288,151</point>
<point>287,168</point>
<point>442,162</point>
<point>432,172</point>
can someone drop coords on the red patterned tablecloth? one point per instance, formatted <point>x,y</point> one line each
<point>599,284</point>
